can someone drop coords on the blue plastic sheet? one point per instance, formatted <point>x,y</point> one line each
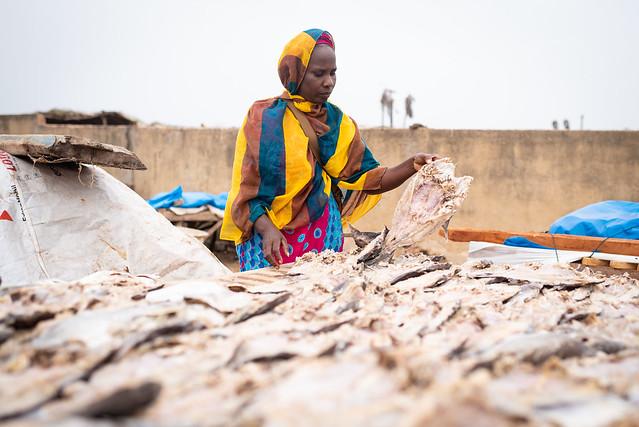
<point>166,200</point>
<point>617,219</point>
<point>195,199</point>
<point>522,242</point>
<point>612,218</point>
<point>187,199</point>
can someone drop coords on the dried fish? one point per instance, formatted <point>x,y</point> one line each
<point>372,252</point>
<point>535,348</point>
<point>5,333</point>
<point>258,309</point>
<point>556,275</point>
<point>123,402</point>
<point>419,272</point>
<point>26,320</point>
<point>268,348</point>
<point>551,398</point>
<point>444,315</point>
<point>212,294</point>
<point>332,341</point>
<point>429,201</point>
<point>362,238</point>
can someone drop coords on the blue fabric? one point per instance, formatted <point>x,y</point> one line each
<point>189,199</point>
<point>315,33</point>
<point>166,200</point>
<point>334,234</point>
<point>195,199</point>
<point>250,254</point>
<point>612,218</point>
<point>522,242</point>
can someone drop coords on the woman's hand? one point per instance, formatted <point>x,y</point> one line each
<point>421,159</point>
<point>272,240</point>
<point>395,176</point>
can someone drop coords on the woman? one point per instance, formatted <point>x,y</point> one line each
<point>301,169</point>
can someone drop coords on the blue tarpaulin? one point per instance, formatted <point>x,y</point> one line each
<point>612,218</point>
<point>187,199</point>
<point>617,219</point>
<point>522,242</point>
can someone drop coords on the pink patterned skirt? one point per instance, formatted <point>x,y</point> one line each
<point>319,235</point>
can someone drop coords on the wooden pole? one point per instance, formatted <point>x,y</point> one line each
<point>557,241</point>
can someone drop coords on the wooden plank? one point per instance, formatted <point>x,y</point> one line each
<point>200,235</point>
<point>593,262</point>
<point>607,271</point>
<point>199,217</point>
<point>620,265</point>
<point>558,241</point>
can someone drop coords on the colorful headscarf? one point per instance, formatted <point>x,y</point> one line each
<point>274,171</point>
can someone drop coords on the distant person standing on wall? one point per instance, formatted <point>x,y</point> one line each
<point>301,168</point>
<point>408,108</point>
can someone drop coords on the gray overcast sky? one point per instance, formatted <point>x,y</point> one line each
<point>481,64</point>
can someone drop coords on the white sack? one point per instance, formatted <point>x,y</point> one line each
<point>58,223</point>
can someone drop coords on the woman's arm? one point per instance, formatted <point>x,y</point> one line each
<point>395,176</point>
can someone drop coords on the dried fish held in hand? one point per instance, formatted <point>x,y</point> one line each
<point>431,199</point>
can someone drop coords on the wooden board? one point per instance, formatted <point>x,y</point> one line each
<point>74,149</point>
<point>620,265</point>
<point>558,241</point>
<point>605,270</point>
<point>593,262</point>
<point>204,216</point>
<point>194,232</point>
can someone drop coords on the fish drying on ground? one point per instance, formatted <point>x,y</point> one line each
<point>331,341</point>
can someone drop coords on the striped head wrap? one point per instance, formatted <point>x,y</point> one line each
<point>296,55</point>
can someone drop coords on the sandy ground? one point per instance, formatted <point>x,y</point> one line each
<point>229,259</point>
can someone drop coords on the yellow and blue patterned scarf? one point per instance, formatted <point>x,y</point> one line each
<point>274,171</point>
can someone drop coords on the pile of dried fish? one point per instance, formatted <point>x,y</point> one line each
<point>429,201</point>
<point>329,342</point>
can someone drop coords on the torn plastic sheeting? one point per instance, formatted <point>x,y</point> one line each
<point>58,222</point>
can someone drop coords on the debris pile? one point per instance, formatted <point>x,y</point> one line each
<point>329,342</point>
<point>56,149</point>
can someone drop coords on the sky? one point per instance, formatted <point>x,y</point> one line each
<point>469,64</point>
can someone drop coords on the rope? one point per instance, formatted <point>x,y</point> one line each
<point>609,237</point>
<point>555,247</point>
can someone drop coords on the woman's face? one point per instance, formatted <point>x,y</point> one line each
<point>320,76</point>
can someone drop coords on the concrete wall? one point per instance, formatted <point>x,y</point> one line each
<point>523,179</point>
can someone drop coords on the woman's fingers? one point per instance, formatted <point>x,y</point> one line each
<point>284,246</point>
<point>273,246</point>
<point>276,251</point>
<point>267,250</point>
<point>420,159</point>
<point>423,158</point>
